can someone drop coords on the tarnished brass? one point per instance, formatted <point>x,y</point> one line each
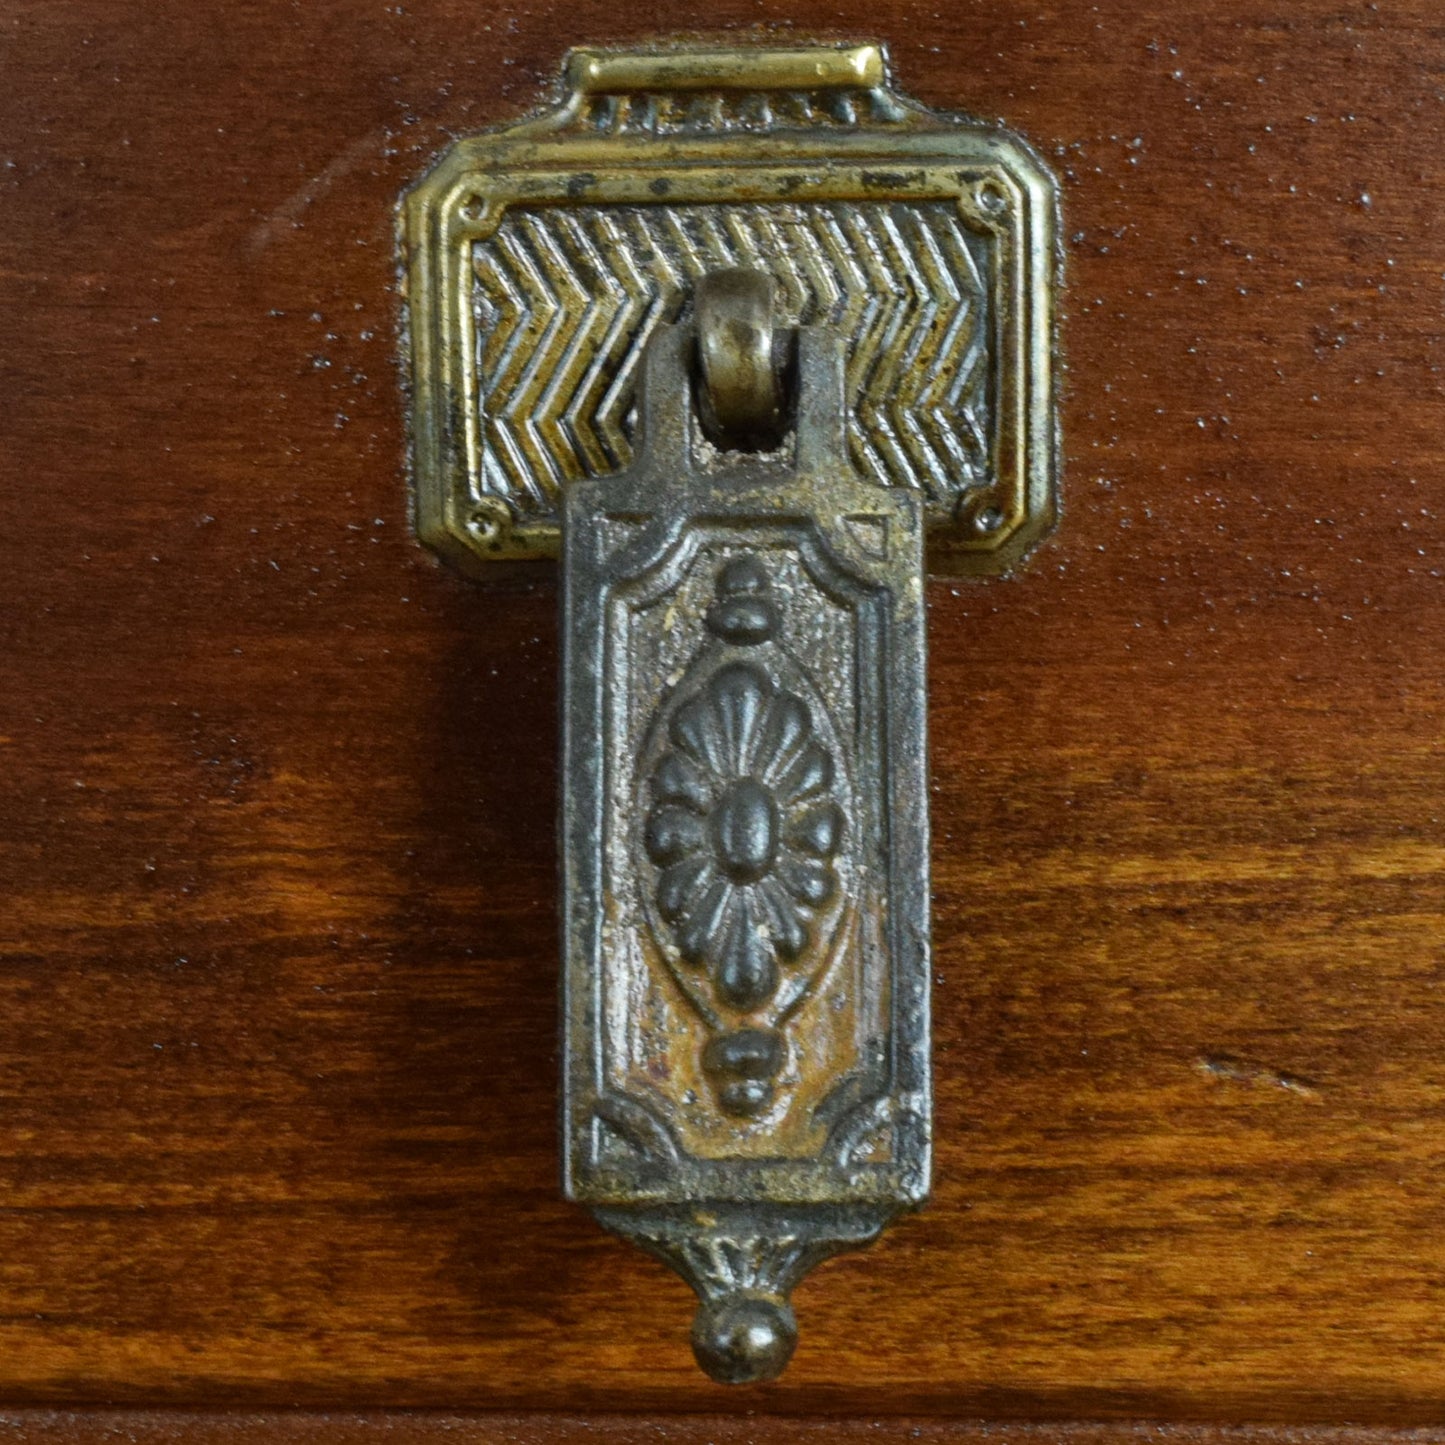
<point>733,331</point>
<point>540,258</point>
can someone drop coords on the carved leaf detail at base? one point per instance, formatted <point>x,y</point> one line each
<point>743,1263</point>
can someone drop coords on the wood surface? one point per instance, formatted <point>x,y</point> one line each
<point>278,937</point>
<point>41,1426</point>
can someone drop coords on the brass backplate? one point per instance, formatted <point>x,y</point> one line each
<point>541,258</point>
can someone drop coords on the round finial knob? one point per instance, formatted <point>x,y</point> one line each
<point>744,1339</point>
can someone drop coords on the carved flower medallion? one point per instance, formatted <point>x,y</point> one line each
<point>744,829</point>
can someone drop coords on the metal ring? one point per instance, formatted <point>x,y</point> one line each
<point>742,392</point>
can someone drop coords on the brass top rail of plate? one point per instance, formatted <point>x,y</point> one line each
<point>602,72</point>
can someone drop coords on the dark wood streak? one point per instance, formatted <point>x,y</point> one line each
<point>277,949</point>
<point>199,1427</point>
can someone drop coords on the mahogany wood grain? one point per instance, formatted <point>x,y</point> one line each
<point>277,945</point>
<point>39,1426</point>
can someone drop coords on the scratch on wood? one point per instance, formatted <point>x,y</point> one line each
<point>288,214</point>
<point>1245,1071</point>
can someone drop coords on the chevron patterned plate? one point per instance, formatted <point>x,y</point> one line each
<point>539,259</point>
<point>565,303</point>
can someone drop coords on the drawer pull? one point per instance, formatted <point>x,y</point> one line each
<point>734,334</point>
